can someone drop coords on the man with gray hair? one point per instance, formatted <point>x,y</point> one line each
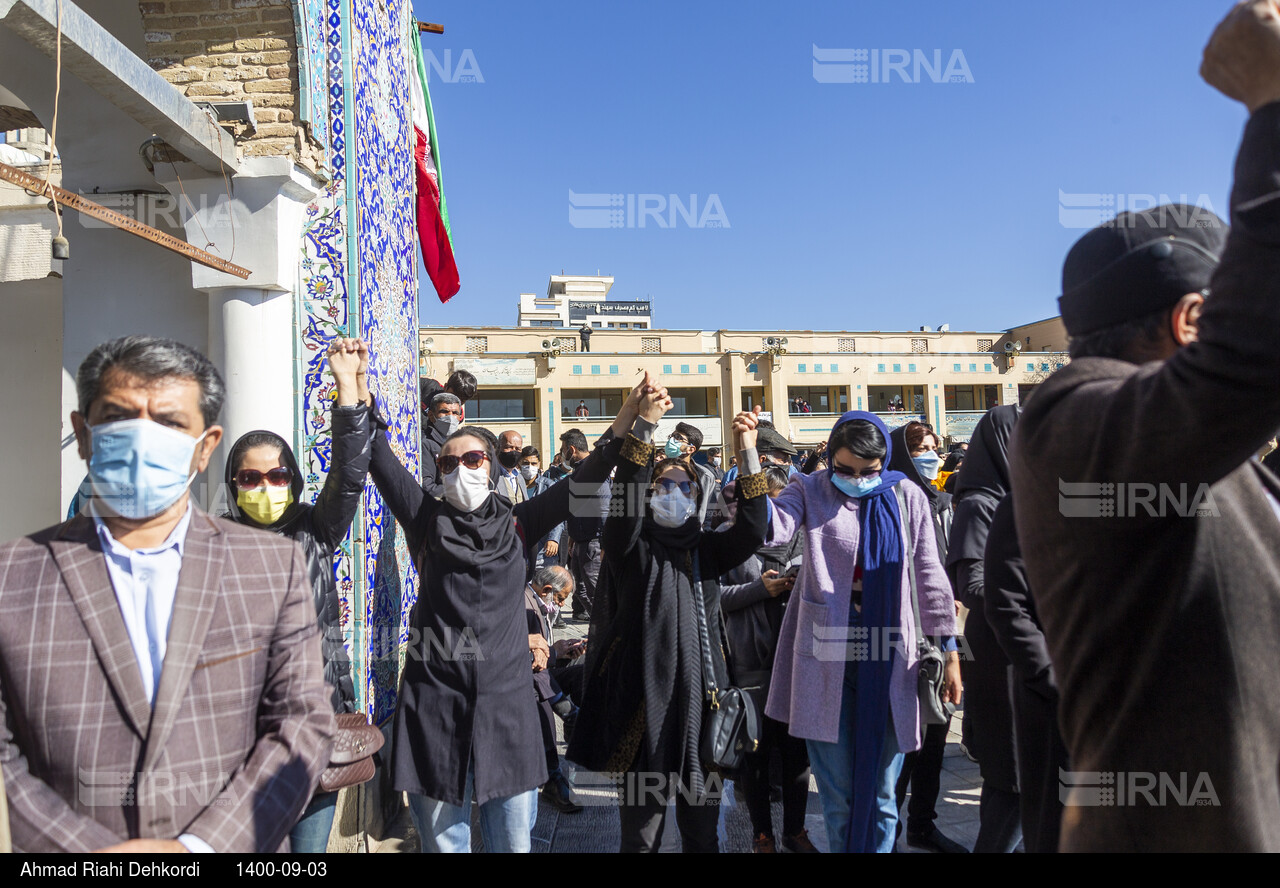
<point>557,672</point>
<point>161,680</point>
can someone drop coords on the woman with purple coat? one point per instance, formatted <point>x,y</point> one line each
<point>846,670</point>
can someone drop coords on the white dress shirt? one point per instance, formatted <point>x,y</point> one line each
<point>146,582</point>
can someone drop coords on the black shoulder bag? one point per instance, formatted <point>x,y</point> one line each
<point>730,726</point>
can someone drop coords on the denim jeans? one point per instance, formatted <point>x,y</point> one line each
<point>505,823</point>
<point>310,835</point>
<point>832,765</point>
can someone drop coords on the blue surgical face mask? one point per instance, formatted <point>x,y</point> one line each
<point>139,468</point>
<point>672,508</point>
<point>673,449</point>
<point>928,464</point>
<point>855,487</point>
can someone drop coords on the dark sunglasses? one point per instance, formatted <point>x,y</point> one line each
<point>855,473</point>
<point>472,459</point>
<point>668,484</point>
<point>248,479</point>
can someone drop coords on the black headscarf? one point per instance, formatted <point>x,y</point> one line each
<point>469,539</point>
<point>671,666</point>
<point>286,458</point>
<point>983,483</point>
<point>900,460</point>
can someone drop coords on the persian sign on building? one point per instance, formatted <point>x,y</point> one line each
<point>579,310</point>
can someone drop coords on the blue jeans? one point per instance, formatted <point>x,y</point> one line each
<point>310,835</point>
<point>832,765</point>
<point>505,823</point>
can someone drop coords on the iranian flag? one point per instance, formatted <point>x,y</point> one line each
<point>433,216</point>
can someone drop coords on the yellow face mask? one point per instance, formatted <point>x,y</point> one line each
<point>265,506</point>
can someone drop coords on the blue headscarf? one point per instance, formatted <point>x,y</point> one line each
<point>881,551</point>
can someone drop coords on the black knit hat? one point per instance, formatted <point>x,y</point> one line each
<point>1137,264</point>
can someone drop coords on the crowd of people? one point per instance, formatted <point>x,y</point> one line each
<point>1104,555</point>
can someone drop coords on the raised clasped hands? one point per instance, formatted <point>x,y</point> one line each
<point>349,361</point>
<point>744,432</point>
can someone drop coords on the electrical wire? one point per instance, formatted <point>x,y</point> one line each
<point>47,191</point>
<point>226,185</point>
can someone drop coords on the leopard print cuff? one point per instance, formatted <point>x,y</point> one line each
<point>753,486</point>
<point>636,451</point>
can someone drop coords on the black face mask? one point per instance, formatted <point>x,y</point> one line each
<point>509,458</point>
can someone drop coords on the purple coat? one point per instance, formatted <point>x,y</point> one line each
<point>806,687</point>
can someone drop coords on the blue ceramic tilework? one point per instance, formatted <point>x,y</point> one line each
<point>313,67</point>
<point>382,164</point>
<point>363,43</point>
<point>322,285</point>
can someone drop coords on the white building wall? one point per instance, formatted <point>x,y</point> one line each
<point>30,402</point>
<point>116,284</point>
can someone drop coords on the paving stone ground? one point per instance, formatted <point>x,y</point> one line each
<point>596,829</point>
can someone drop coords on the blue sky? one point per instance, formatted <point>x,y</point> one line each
<point>861,206</point>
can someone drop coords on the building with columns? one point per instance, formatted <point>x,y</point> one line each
<point>533,380</point>
<point>232,125</point>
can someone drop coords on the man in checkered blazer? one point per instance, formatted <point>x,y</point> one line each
<point>161,680</point>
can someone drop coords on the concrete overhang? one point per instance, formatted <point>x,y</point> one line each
<point>96,57</point>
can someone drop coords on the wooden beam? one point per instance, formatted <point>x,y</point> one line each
<point>430,28</point>
<point>82,205</point>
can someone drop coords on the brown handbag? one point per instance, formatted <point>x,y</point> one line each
<point>351,762</point>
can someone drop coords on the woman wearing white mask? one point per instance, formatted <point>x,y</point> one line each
<point>466,725</point>
<point>644,700</point>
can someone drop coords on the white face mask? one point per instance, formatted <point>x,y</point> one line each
<point>466,489</point>
<point>529,472</point>
<point>672,509</point>
<point>715,461</point>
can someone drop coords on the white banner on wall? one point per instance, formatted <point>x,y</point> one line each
<point>504,372</point>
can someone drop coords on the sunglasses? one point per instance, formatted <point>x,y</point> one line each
<point>845,472</point>
<point>666,485</point>
<point>248,479</point>
<point>472,459</point>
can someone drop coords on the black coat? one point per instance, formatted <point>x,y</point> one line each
<point>432,441</point>
<point>1011,614</point>
<point>983,484</point>
<point>616,721</point>
<point>320,529</point>
<point>465,692</point>
<point>1163,623</point>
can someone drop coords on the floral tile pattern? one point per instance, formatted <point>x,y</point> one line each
<point>364,282</point>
